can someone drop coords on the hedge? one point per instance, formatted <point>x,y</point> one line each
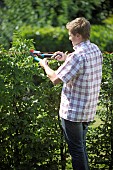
<point>50,39</point>
<point>30,131</point>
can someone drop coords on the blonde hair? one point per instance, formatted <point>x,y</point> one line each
<point>80,26</point>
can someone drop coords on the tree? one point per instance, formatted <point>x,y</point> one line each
<point>14,14</point>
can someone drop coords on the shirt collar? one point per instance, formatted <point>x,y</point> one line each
<point>81,44</point>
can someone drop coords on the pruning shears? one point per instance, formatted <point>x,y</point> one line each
<point>36,54</point>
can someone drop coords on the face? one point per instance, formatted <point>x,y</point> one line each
<point>75,39</point>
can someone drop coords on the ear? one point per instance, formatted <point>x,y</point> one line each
<point>78,35</point>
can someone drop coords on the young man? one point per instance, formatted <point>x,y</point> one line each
<point>81,75</point>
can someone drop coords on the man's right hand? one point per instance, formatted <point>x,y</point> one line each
<point>60,56</point>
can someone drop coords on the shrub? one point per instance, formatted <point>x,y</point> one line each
<point>47,39</point>
<point>102,36</point>
<point>52,39</point>
<point>30,133</point>
<point>29,112</point>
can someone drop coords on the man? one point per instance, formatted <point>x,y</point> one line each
<point>81,75</point>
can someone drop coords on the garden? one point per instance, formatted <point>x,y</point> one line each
<point>31,136</point>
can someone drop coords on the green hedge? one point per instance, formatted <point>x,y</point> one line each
<point>28,112</point>
<point>30,133</point>
<point>102,36</point>
<point>50,39</point>
<point>47,39</point>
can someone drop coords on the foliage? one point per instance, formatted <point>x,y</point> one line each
<point>30,133</point>
<point>100,139</point>
<point>52,39</point>
<point>47,39</point>
<point>14,14</point>
<point>102,36</point>
<point>29,111</point>
<point>109,20</point>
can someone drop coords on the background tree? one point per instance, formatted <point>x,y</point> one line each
<point>14,14</point>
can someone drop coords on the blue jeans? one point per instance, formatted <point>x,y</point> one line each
<point>75,134</point>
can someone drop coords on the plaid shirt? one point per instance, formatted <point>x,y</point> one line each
<point>81,74</point>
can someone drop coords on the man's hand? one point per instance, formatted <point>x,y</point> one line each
<point>60,56</point>
<point>50,73</point>
<point>43,62</point>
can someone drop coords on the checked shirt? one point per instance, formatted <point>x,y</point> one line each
<point>81,74</point>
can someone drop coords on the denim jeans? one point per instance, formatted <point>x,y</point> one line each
<point>75,134</point>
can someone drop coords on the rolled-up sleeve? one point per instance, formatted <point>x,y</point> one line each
<point>70,68</point>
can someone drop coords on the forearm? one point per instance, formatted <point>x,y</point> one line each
<point>50,73</point>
